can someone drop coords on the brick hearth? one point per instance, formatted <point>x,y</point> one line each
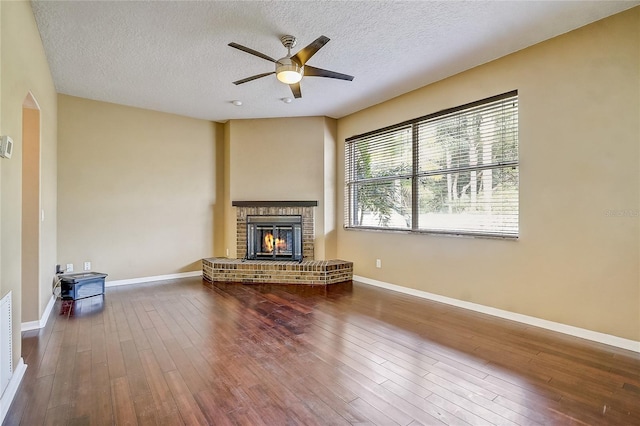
<point>318,272</point>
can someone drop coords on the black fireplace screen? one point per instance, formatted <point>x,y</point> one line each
<point>274,237</point>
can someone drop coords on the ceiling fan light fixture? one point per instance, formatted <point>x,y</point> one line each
<point>288,71</point>
<point>289,76</point>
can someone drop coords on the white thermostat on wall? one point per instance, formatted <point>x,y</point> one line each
<point>6,146</point>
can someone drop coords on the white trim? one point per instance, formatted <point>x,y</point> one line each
<point>583,333</point>
<point>155,278</point>
<point>34,325</point>
<point>12,389</point>
<point>30,101</point>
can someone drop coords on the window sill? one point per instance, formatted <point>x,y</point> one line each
<point>433,233</point>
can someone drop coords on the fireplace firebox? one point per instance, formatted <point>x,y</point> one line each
<point>274,238</point>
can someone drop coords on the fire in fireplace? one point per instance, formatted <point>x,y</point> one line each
<point>274,238</point>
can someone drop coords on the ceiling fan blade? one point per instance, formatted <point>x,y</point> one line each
<point>253,77</point>
<point>251,51</point>
<point>295,89</point>
<point>310,71</point>
<point>305,54</point>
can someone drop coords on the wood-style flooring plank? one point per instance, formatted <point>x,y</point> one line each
<point>145,409</point>
<point>123,406</point>
<point>63,379</point>
<point>134,371</point>
<point>98,344</point>
<point>50,358</point>
<point>211,409</point>
<point>164,402</point>
<point>187,405</point>
<point>101,412</point>
<point>159,350</point>
<point>373,414</point>
<point>194,379</point>
<point>36,412</point>
<point>421,402</point>
<point>81,397</point>
<point>57,416</point>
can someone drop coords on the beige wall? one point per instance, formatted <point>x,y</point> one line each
<point>283,159</point>
<point>330,188</point>
<point>137,189</point>
<point>24,70</point>
<point>219,211</point>
<point>229,211</point>
<point>579,158</point>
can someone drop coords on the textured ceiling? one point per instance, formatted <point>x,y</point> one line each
<point>172,56</point>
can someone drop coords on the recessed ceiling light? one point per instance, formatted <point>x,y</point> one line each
<point>237,103</point>
<point>286,100</point>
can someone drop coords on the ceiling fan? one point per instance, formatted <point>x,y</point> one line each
<point>291,69</point>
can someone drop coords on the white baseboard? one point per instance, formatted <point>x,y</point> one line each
<point>34,325</point>
<point>595,336</point>
<point>155,278</point>
<point>12,389</point>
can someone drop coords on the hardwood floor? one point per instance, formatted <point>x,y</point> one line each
<point>190,352</point>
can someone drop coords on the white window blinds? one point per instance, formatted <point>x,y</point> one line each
<point>455,171</point>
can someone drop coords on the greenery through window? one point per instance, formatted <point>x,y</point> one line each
<point>455,171</point>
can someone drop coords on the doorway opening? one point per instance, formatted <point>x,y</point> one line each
<point>31,209</point>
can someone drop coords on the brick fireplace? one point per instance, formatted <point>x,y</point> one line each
<point>305,209</point>
<point>273,269</point>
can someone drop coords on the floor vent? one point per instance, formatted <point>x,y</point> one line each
<point>6,355</point>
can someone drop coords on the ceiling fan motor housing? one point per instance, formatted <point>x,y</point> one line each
<point>288,41</point>
<point>287,64</point>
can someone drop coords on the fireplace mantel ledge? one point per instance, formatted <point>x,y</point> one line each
<point>274,203</point>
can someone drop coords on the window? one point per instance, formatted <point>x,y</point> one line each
<point>455,172</point>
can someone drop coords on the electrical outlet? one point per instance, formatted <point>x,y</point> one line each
<point>378,263</point>
<point>69,267</point>
<point>227,252</point>
<point>87,266</point>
